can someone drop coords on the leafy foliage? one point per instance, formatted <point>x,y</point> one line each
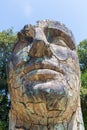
<point>82,53</point>
<point>7,40</point>
<point>84,79</point>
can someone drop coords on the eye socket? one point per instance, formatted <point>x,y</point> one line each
<point>29,35</point>
<point>59,41</point>
<point>55,36</point>
<point>50,34</point>
<point>25,37</point>
<point>29,39</point>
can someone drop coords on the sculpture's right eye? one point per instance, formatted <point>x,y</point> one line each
<point>29,35</point>
<point>25,37</point>
<point>29,39</point>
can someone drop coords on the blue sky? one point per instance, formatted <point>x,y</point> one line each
<point>17,13</point>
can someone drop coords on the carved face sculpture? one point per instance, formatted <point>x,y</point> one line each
<point>44,73</point>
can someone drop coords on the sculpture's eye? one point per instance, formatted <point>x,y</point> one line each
<point>58,37</point>
<point>54,36</point>
<point>29,39</point>
<point>58,44</point>
<point>59,41</point>
<point>29,35</point>
<point>25,37</point>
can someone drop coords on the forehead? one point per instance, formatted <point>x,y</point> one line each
<point>51,29</point>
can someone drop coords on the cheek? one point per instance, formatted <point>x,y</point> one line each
<point>73,89</point>
<point>74,84</point>
<point>20,57</point>
<point>72,79</point>
<point>71,64</point>
<point>62,53</point>
<point>71,67</point>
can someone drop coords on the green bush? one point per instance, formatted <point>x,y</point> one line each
<point>3,125</point>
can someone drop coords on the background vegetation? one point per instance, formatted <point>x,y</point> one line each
<point>7,40</point>
<point>82,53</point>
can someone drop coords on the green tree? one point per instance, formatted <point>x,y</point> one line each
<point>84,79</point>
<point>82,53</point>
<point>7,40</point>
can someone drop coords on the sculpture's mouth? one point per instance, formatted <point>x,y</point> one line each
<point>43,75</point>
<point>42,70</point>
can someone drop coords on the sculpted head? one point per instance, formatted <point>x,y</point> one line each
<point>44,72</point>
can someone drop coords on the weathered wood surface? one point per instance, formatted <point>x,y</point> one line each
<point>44,79</point>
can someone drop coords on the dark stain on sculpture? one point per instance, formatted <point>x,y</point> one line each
<point>44,79</point>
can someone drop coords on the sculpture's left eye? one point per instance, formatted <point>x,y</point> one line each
<point>54,36</point>
<point>58,37</point>
<point>58,41</point>
<point>49,33</point>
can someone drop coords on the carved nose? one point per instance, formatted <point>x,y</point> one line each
<point>40,49</point>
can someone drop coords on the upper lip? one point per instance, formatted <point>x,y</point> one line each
<point>35,65</point>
